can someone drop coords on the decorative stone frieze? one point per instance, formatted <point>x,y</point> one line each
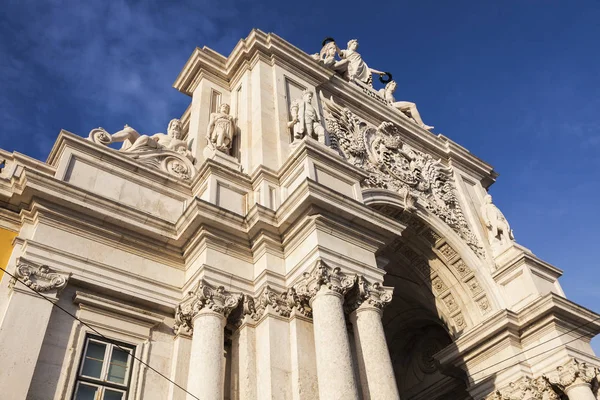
<point>324,276</point>
<point>40,278</point>
<point>397,166</point>
<point>204,296</point>
<point>526,389</point>
<point>367,294</point>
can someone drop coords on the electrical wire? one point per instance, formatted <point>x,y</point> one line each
<point>98,333</point>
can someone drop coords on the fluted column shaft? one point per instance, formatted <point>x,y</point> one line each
<point>374,362</point>
<point>205,379</point>
<point>334,360</point>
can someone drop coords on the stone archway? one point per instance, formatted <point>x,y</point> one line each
<point>441,291</point>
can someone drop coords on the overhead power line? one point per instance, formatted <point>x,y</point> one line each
<point>98,333</point>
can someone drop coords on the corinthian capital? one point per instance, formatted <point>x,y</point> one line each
<point>573,372</point>
<point>324,276</point>
<point>41,278</point>
<point>368,294</point>
<point>204,296</point>
<point>526,389</point>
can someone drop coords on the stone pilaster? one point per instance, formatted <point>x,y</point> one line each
<point>24,324</point>
<point>366,305</point>
<point>325,287</point>
<point>204,312</point>
<point>575,379</point>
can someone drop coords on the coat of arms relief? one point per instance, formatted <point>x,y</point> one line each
<point>395,165</point>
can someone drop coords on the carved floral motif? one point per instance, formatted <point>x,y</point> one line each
<point>397,166</point>
<point>369,295</point>
<point>572,372</point>
<point>40,278</point>
<point>204,296</point>
<point>526,389</point>
<point>324,276</point>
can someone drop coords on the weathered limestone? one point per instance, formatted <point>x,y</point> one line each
<point>574,378</point>
<point>24,324</point>
<point>207,308</point>
<point>374,363</point>
<point>325,287</point>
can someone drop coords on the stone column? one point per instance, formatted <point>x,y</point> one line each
<point>377,376</point>
<point>243,353</point>
<point>325,288</point>
<point>574,379</point>
<point>24,325</point>
<point>180,364</point>
<point>206,309</point>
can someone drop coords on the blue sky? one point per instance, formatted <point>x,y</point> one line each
<point>515,82</point>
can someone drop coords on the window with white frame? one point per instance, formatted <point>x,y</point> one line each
<point>104,371</point>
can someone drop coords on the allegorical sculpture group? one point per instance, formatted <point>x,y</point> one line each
<point>391,163</point>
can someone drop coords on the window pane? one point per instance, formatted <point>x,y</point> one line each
<point>113,395</point>
<point>86,392</point>
<point>117,370</point>
<point>94,357</point>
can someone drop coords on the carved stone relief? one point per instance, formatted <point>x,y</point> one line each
<point>220,130</point>
<point>397,166</point>
<point>166,152</point>
<point>40,278</point>
<point>499,234</point>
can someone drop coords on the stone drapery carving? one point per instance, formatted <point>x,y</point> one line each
<point>204,296</point>
<point>351,64</point>
<point>498,229</point>
<point>324,276</point>
<point>40,278</point>
<point>305,119</point>
<point>405,107</point>
<point>368,294</point>
<point>166,152</point>
<point>571,373</point>
<point>397,166</point>
<point>220,130</point>
<point>526,389</point>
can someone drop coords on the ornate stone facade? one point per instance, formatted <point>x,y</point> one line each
<point>276,244</point>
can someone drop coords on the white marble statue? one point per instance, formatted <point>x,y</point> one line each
<point>404,106</point>
<point>499,232</point>
<point>305,118</point>
<point>134,142</point>
<point>221,129</point>
<point>327,58</point>
<point>357,67</point>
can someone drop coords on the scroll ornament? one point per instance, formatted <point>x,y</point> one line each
<point>40,278</point>
<point>397,166</point>
<point>165,152</point>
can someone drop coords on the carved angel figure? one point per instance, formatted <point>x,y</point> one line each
<point>498,228</point>
<point>221,129</point>
<point>305,118</point>
<point>406,107</point>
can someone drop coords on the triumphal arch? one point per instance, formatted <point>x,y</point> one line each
<point>295,234</point>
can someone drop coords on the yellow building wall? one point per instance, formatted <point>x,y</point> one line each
<point>6,239</point>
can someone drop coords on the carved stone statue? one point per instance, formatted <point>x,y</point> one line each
<point>327,58</point>
<point>221,129</point>
<point>499,232</point>
<point>305,118</point>
<point>357,67</point>
<point>406,107</point>
<point>167,152</point>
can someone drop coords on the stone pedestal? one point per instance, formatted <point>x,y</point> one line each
<point>334,360</point>
<point>374,363</point>
<point>221,158</point>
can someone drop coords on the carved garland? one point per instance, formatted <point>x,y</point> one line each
<point>397,166</point>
